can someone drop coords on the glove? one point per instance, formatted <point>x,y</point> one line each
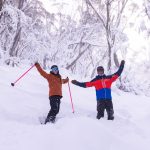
<point>36,63</point>
<point>67,79</point>
<point>74,81</point>
<point>123,62</point>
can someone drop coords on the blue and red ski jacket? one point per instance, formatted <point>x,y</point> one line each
<point>102,84</point>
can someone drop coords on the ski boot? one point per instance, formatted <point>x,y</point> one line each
<point>99,116</point>
<point>50,119</point>
<point>110,117</point>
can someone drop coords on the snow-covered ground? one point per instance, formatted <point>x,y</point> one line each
<point>22,105</point>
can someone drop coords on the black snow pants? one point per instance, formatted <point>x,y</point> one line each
<point>102,105</point>
<point>55,106</point>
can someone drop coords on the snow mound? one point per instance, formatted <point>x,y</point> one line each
<point>22,105</point>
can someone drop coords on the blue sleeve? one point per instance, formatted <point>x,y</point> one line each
<point>120,69</point>
<point>118,73</point>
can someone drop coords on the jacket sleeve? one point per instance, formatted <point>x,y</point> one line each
<point>84,84</point>
<point>118,73</point>
<point>41,71</point>
<point>64,81</point>
<point>90,84</point>
<point>81,84</point>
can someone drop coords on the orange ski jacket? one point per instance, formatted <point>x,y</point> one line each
<point>55,81</point>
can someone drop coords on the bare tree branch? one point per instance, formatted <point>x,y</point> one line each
<point>100,18</point>
<point>1,4</point>
<point>124,2</point>
<point>77,58</point>
<point>146,9</point>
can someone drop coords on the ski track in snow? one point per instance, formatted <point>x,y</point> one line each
<point>22,105</point>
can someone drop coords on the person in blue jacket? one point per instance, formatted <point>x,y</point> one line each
<point>102,84</point>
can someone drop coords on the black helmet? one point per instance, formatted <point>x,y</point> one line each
<point>54,66</point>
<point>100,68</point>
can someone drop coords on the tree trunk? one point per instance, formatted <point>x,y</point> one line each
<point>1,4</point>
<point>109,56</point>
<point>108,32</point>
<point>20,5</point>
<point>15,43</point>
<point>116,60</point>
<point>77,58</point>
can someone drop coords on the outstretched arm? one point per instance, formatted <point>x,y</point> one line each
<point>41,71</point>
<point>83,84</point>
<point>118,73</point>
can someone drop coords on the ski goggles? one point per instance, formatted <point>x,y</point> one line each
<point>55,69</point>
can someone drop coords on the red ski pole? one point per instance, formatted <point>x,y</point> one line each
<point>71,98</point>
<point>13,84</point>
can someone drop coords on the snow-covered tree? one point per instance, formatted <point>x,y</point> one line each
<point>100,36</point>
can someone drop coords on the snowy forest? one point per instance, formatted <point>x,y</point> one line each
<point>76,49</point>
<point>98,32</point>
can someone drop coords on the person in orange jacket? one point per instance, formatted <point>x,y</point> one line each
<point>55,90</point>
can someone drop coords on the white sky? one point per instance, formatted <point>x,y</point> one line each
<point>68,6</point>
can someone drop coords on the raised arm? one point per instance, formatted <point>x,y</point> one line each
<point>41,71</point>
<point>118,73</point>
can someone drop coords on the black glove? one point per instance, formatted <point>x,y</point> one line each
<point>74,81</point>
<point>123,62</point>
<point>36,63</point>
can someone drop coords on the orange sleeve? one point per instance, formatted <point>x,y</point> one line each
<point>41,71</point>
<point>64,81</point>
